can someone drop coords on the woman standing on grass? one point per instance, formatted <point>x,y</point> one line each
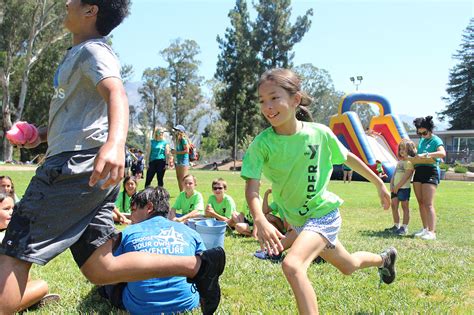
<point>297,157</point>
<point>426,178</point>
<point>159,150</point>
<point>182,154</point>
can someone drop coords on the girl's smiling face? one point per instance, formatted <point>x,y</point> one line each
<point>218,189</point>
<point>6,211</point>
<point>131,187</point>
<point>189,185</point>
<point>277,105</point>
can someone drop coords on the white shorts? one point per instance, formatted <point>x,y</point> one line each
<point>328,226</point>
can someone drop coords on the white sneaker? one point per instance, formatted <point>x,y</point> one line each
<point>429,236</point>
<point>420,233</point>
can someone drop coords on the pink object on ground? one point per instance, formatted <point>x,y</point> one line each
<point>22,133</point>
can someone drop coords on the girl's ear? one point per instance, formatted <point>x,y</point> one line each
<point>297,98</point>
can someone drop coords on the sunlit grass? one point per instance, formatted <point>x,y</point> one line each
<point>433,277</point>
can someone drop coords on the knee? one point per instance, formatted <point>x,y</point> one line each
<point>292,267</point>
<point>347,270</point>
<point>97,277</point>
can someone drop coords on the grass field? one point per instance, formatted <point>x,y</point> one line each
<point>433,277</point>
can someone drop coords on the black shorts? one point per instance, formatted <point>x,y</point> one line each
<point>60,210</point>
<point>426,175</point>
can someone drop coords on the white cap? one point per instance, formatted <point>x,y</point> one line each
<point>179,128</point>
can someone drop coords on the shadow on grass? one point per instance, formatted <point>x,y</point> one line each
<point>382,234</point>
<point>93,303</point>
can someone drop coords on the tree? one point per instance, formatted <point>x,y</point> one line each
<point>28,28</point>
<point>460,102</point>
<point>274,35</point>
<point>185,83</point>
<point>319,85</point>
<point>156,96</point>
<point>236,69</point>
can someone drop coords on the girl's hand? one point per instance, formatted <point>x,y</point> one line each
<point>384,196</point>
<point>269,237</point>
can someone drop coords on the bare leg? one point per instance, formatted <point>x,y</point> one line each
<point>428,192</point>
<point>305,249</point>
<point>13,283</point>
<point>395,214</point>
<point>406,212</point>
<point>34,292</point>
<point>104,268</point>
<point>347,263</point>
<point>350,176</point>
<point>419,197</point>
<point>181,171</point>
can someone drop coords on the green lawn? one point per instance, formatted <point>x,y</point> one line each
<point>433,277</point>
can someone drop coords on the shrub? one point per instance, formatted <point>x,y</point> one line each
<point>444,166</point>
<point>460,169</point>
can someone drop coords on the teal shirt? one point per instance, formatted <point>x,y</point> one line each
<point>158,150</point>
<point>429,146</point>
<point>299,166</point>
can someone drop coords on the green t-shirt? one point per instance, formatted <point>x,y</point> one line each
<point>225,208</point>
<point>123,207</point>
<point>402,168</point>
<point>429,146</point>
<point>299,167</point>
<point>186,205</point>
<point>276,210</point>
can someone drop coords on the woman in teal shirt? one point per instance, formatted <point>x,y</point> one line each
<point>159,150</point>
<point>426,176</point>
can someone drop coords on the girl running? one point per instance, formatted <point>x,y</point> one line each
<point>297,157</point>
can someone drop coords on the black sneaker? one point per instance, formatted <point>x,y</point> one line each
<point>207,279</point>
<point>392,229</point>
<point>387,272</point>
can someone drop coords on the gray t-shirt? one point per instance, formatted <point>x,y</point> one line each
<point>78,114</point>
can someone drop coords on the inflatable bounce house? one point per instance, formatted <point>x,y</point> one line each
<point>380,142</point>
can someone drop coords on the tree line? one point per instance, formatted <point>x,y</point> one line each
<point>33,42</point>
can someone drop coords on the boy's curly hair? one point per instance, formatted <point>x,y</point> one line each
<point>111,14</point>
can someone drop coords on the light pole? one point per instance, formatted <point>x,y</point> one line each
<point>353,80</point>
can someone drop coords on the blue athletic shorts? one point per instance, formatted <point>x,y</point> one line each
<point>403,194</point>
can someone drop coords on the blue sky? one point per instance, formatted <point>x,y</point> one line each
<point>403,49</point>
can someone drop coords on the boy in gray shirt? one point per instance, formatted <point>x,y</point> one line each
<point>69,202</point>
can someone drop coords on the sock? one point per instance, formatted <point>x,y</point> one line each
<point>397,225</point>
<point>405,226</point>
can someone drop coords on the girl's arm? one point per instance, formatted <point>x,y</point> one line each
<point>392,183</point>
<point>190,215</point>
<point>408,174</point>
<point>358,166</point>
<point>268,236</point>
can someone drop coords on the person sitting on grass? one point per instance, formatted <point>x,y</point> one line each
<point>6,186</point>
<point>171,295</point>
<point>121,212</point>
<point>36,291</point>
<point>220,205</point>
<point>189,202</point>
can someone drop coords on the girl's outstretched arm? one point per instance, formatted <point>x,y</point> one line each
<point>268,236</point>
<point>358,166</point>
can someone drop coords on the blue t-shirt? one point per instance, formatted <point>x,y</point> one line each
<point>160,295</point>
<point>158,150</point>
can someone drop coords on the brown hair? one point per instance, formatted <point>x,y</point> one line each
<point>12,191</point>
<point>287,80</point>
<point>192,176</point>
<point>409,146</point>
<point>221,181</point>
